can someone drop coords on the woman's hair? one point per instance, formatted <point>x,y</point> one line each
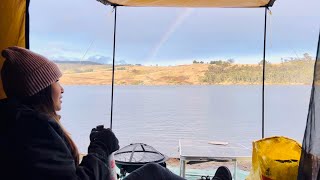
<point>42,102</point>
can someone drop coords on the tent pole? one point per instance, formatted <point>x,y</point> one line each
<point>264,67</point>
<point>27,26</point>
<point>113,62</point>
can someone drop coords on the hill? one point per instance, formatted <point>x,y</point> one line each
<point>291,72</point>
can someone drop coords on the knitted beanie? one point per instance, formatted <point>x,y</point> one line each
<point>25,73</point>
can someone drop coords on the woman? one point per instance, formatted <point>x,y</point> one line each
<point>34,145</point>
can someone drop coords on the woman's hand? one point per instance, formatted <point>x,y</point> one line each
<point>103,139</point>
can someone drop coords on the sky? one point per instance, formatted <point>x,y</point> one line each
<point>83,30</point>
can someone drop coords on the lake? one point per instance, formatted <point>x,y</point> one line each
<point>161,115</point>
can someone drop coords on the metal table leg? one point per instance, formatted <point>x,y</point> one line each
<point>182,168</point>
<point>235,170</point>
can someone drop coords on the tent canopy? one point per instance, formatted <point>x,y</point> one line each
<point>191,3</point>
<point>14,23</point>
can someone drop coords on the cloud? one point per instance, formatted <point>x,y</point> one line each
<point>63,58</point>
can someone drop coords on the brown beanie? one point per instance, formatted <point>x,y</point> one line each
<point>25,73</point>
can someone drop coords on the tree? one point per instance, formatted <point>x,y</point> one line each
<point>231,61</point>
<point>267,62</point>
<point>195,62</point>
<point>307,56</point>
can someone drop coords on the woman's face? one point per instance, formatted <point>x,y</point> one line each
<point>57,91</point>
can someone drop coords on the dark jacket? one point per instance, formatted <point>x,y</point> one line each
<point>33,147</point>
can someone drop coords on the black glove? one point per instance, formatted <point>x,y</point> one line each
<point>103,141</point>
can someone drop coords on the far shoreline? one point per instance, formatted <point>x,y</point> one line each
<point>187,85</point>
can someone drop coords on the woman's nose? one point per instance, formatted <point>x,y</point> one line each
<point>62,90</point>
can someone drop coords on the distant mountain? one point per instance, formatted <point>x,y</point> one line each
<point>92,60</point>
<point>100,59</point>
<point>77,62</point>
<point>122,62</point>
<point>105,60</point>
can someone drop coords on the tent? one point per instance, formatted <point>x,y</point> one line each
<point>14,23</point>
<point>309,166</point>
<point>191,3</point>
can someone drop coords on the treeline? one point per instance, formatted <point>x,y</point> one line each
<point>292,71</point>
<point>218,62</point>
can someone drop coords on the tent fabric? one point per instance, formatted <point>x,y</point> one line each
<point>192,3</point>
<point>14,27</point>
<point>309,167</point>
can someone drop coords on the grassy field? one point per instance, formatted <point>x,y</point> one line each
<point>296,72</point>
<point>133,75</point>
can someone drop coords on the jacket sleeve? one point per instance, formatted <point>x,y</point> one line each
<point>47,155</point>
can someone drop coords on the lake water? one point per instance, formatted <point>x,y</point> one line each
<point>161,115</point>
